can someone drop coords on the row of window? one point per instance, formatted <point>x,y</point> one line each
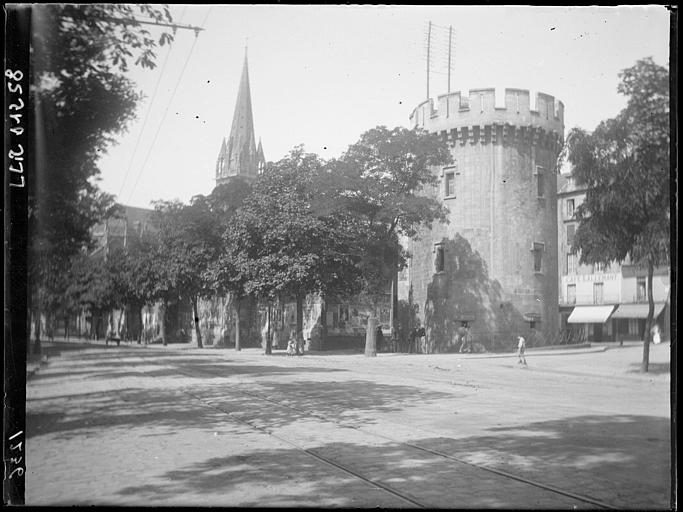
<point>450,175</point>
<point>573,265</point>
<point>537,249</point>
<point>598,296</point>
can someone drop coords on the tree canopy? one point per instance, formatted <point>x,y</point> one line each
<point>625,166</point>
<point>80,101</point>
<point>624,163</point>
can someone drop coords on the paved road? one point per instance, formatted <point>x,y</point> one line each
<point>175,426</point>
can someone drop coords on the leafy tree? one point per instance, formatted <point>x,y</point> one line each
<point>79,101</point>
<point>92,286</point>
<point>185,243</point>
<point>283,243</point>
<point>222,275</point>
<point>131,268</point>
<point>624,164</point>
<point>189,241</point>
<point>383,177</point>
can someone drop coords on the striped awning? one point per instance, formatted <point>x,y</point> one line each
<point>637,310</point>
<point>590,314</point>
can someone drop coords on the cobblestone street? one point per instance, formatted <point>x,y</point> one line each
<point>135,425</point>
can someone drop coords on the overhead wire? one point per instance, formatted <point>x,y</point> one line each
<point>149,109</point>
<point>168,106</point>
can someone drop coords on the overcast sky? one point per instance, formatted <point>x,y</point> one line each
<point>322,75</point>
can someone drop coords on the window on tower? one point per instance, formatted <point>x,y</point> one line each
<point>538,249</point>
<point>540,181</point>
<point>449,183</point>
<point>439,259</point>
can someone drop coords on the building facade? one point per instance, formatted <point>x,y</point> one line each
<point>493,267</point>
<point>597,302</point>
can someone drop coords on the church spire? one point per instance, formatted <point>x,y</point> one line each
<point>239,155</point>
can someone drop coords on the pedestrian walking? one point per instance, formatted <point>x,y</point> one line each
<point>521,344</point>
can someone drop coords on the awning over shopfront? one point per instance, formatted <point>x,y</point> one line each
<point>590,314</point>
<point>637,310</point>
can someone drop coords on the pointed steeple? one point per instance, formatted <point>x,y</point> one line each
<point>260,157</point>
<point>239,154</point>
<point>220,162</point>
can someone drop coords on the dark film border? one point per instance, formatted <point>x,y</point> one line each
<point>15,198</point>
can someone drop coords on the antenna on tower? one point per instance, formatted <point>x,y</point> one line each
<point>450,48</point>
<point>429,47</point>
<point>437,46</point>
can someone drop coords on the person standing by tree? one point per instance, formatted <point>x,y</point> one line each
<point>380,338</point>
<point>521,345</point>
<point>464,335</point>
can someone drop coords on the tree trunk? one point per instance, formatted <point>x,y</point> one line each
<point>163,323</point>
<point>323,322</point>
<point>142,327</point>
<point>371,336</point>
<point>121,321</point>
<point>648,323</point>
<point>269,339</point>
<point>36,320</point>
<point>50,325</point>
<point>299,324</point>
<point>393,324</point>
<point>237,306</point>
<point>196,323</point>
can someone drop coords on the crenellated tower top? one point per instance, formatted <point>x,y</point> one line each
<point>482,116</point>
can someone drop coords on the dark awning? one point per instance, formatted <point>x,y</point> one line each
<point>637,310</point>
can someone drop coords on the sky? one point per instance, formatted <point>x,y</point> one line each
<point>322,75</point>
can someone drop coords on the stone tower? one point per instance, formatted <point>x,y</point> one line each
<point>494,266</point>
<point>238,155</point>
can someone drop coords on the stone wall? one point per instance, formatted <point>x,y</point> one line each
<point>502,207</point>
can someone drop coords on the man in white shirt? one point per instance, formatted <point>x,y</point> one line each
<point>520,350</point>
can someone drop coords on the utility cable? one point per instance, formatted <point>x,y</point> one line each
<point>149,109</point>
<point>168,106</point>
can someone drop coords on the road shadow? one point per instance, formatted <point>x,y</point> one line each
<point>167,407</point>
<point>351,402</point>
<point>120,364</point>
<point>604,458</point>
<point>622,460</point>
<point>654,368</point>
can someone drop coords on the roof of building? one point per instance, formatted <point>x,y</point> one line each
<point>566,184</point>
<point>127,220</point>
